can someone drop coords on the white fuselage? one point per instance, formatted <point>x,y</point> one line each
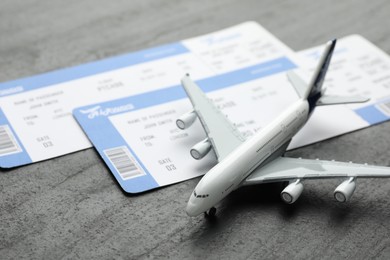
<point>229,174</point>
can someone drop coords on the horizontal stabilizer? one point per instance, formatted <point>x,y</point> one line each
<point>298,83</point>
<point>301,87</point>
<point>334,100</point>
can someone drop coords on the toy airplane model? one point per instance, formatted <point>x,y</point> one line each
<point>260,159</point>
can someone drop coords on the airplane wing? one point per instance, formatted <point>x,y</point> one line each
<point>222,134</point>
<point>286,169</point>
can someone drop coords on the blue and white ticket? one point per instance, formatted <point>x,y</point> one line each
<point>137,137</point>
<point>36,121</point>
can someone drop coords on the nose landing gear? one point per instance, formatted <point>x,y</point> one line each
<point>210,213</point>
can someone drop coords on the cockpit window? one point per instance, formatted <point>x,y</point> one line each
<point>200,196</point>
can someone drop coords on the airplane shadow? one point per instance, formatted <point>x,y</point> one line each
<point>263,202</point>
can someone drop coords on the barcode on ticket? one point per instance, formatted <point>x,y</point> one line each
<point>8,143</point>
<point>123,162</point>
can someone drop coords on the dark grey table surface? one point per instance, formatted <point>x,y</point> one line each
<point>71,206</point>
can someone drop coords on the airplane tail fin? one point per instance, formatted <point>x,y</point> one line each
<point>313,92</point>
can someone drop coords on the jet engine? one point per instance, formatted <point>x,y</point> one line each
<point>292,192</point>
<point>186,120</point>
<point>199,150</point>
<point>344,191</point>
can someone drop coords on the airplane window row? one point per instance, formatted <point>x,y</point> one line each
<point>200,196</point>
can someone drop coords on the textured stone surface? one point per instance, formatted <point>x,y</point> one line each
<point>70,207</point>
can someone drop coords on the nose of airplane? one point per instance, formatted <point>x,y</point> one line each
<point>191,208</point>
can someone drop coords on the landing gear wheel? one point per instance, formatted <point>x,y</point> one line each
<point>211,212</point>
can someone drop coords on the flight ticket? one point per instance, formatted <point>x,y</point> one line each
<point>36,121</point>
<point>138,139</point>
